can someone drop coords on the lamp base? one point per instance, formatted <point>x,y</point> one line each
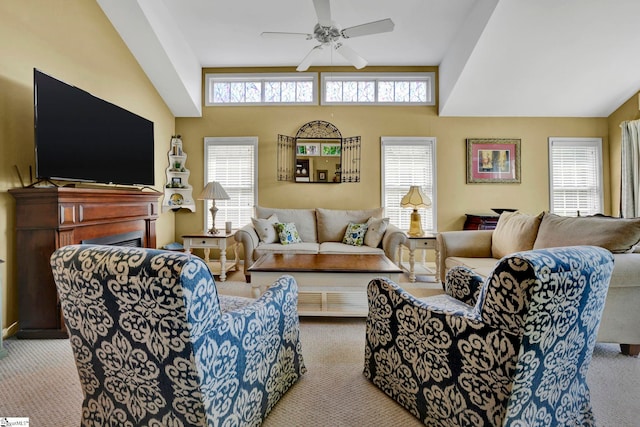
<point>415,228</point>
<point>213,210</point>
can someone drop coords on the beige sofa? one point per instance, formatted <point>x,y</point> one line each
<point>321,231</point>
<point>480,250</point>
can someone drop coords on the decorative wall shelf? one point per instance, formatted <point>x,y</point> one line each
<point>177,191</point>
<point>318,154</point>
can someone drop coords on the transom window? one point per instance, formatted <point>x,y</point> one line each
<point>377,88</point>
<point>261,89</point>
<point>575,176</point>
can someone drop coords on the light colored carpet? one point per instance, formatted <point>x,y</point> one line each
<point>38,379</point>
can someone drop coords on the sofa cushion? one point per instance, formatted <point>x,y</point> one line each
<point>626,271</point>
<point>514,232</point>
<point>342,248</point>
<point>266,228</point>
<point>277,248</point>
<point>332,223</point>
<point>619,235</point>
<point>376,228</point>
<point>288,233</point>
<point>354,235</point>
<point>305,220</point>
<point>480,266</point>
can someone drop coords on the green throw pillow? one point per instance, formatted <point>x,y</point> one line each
<point>288,233</point>
<point>354,235</point>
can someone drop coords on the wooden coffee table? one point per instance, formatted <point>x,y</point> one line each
<point>328,284</point>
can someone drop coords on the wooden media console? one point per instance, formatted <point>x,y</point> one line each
<point>52,217</point>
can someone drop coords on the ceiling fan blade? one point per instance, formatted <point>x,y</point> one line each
<point>382,26</point>
<point>311,56</point>
<point>280,35</point>
<point>323,11</point>
<point>351,56</point>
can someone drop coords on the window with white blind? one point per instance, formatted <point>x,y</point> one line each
<point>232,162</point>
<point>408,161</point>
<point>575,176</point>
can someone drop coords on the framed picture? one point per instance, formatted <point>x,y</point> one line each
<point>322,175</point>
<point>308,149</point>
<point>331,149</point>
<point>176,182</point>
<point>493,160</point>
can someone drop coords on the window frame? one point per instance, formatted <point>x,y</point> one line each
<point>577,142</point>
<point>425,141</point>
<point>211,78</point>
<point>428,76</point>
<point>222,204</point>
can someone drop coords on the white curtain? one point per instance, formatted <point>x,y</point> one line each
<point>630,173</point>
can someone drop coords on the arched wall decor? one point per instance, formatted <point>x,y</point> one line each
<point>318,154</point>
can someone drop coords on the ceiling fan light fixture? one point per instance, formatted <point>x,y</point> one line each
<point>327,33</point>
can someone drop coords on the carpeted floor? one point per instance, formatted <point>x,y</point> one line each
<point>38,380</point>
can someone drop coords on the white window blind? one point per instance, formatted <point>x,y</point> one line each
<point>233,163</point>
<point>408,161</point>
<point>575,169</point>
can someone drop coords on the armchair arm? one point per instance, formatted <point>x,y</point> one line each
<point>249,238</point>
<point>427,353</point>
<point>392,239</point>
<point>468,244</point>
<point>463,284</point>
<point>254,351</point>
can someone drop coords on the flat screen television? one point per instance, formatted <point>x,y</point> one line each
<point>80,137</point>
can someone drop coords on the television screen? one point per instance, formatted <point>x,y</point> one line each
<point>79,137</point>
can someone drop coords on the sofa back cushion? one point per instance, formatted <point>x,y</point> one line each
<point>514,232</point>
<point>332,223</point>
<point>618,235</point>
<point>304,219</point>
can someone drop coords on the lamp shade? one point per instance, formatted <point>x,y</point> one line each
<point>213,191</point>
<point>415,198</point>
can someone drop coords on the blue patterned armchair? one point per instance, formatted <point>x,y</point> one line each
<point>156,345</point>
<point>510,351</point>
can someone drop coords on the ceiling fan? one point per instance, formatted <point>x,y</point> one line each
<point>329,35</point>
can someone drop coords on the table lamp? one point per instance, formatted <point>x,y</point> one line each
<point>415,199</point>
<point>213,191</point>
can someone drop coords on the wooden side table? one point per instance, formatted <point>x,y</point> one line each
<point>426,242</point>
<point>207,242</point>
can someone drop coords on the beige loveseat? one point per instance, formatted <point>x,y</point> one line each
<point>480,250</point>
<point>321,231</point>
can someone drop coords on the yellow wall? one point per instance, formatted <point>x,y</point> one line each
<point>454,196</point>
<point>630,110</point>
<point>73,41</point>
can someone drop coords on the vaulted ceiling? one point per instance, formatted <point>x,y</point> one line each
<point>528,58</point>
